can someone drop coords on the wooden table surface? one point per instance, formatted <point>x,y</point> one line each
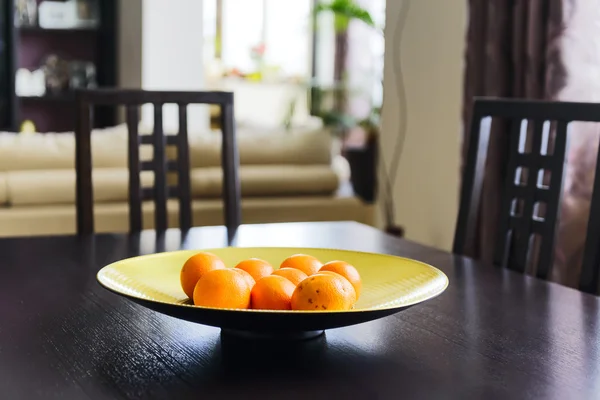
<point>492,334</point>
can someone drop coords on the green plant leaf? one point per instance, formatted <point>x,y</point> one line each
<point>345,11</point>
<point>337,120</point>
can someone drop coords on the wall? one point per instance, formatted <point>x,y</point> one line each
<point>130,43</point>
<point>431,54</point>
<point>172,57</point>
<point>160,48</point>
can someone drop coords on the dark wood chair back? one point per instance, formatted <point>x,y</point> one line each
<point>530,200</point>
<point>160,165</point>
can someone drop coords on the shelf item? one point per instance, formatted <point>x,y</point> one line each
<point>25,12</point>
<point>68,14</point>
<point>30,83</point>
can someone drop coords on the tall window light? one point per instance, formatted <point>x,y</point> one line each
<point>272,35</point>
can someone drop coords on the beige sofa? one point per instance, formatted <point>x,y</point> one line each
<point>284,177</point>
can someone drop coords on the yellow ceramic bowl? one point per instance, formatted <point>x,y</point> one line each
<point>390,284</point>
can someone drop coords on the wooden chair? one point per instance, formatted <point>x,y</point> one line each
<point>160,165</point>
<point>518,218</point>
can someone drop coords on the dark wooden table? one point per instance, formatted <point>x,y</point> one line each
<point>492,334</point>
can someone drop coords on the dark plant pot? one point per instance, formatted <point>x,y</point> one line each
<point>395,230</point>
<point>363,170</point>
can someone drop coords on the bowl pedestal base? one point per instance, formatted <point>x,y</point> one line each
<point>302,335</point>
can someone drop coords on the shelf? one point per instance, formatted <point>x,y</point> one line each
<point>27,46</point>
<point>64,97</point>
<point>37,29</point>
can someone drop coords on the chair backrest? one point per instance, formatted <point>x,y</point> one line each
<point>160,164</point>
<point>533,182</point>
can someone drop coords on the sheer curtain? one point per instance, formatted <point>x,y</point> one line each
<point>581,56</point>
<point>365,60</point>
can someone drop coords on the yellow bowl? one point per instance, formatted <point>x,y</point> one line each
<point>390,284</point>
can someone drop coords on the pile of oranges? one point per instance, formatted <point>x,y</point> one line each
<point>301,283</point>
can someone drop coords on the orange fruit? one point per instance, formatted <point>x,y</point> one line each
<point>223,288</point>
<point>324,292</point>
<point>330,273</point>
<point>256,267</point>
<point>195,267</point>
<point>291,274</point>
<point>305,263</point>
<point>246,275</point>
<point>347,271</point>
<point>272,293</point>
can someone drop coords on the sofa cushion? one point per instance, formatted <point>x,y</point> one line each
<point>301,148</point>
<point>57,150</point>
<point>273,180</point>
<point>3,189</point>
<point>113,217</point>
<point>58,186</point>
<point>46,187</point>
<point>109,149</point>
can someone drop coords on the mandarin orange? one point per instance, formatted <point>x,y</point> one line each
<point>256,267</point>
<point>291,274</point>
<point>272,293</point>
<point>330,273</point>
<point>324,292</point>
<point>223,288</point>
<point>347,271</point>
<point>305,263</point>
<point>246,275</point>
<point>195,267</point>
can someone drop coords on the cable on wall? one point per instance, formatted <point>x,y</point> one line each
<point>391,176</point>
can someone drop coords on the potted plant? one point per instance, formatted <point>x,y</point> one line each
<point>344,12</point>
<point>331,103</point>
<point>363,158</point>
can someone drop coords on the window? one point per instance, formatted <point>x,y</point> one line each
<point>271,42</point>
<point>282,27</point>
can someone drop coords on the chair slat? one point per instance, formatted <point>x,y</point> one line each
<point>552,200</point>
<point>522,245</point>
<point>509,185</point>
<point>135,193</point>
<point>83,169</point>
<point>539,161</point>
<point>539,226</point>
<point>148,193</point>
<point>172,140</point>
<point>160,171</point>
<point>231,183</point>
<point>472,183</point>
<point>183,169</point>
<point>589,281</point>
<point>172,166</point>
<point>147,165</point>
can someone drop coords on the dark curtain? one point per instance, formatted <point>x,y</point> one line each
<point>512,51</point>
